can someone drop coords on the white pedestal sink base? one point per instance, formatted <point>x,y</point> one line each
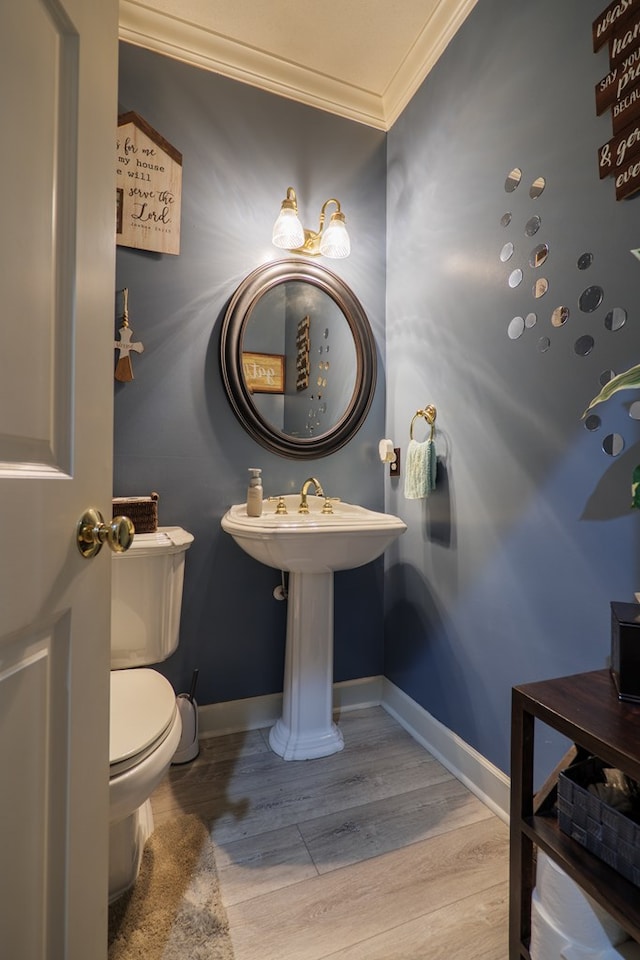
<point>306,730</point>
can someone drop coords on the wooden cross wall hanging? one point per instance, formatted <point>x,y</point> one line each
<point>124,370</point>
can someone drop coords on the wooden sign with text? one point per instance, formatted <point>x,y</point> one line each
<point>624,41</point>
<point>621,80</point>
<point>148,187</point>
<point>610,20</point>
<point>616,154</point>
<point>619,92</point>
<point>263,372</point>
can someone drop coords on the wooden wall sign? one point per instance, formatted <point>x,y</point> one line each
<point>302,353</point>
<point>613,156</point>
<point>263,372</point>
<point>625,41</point>
<point>148,187</point>
<point>610,19</point>
<point>619,92</point>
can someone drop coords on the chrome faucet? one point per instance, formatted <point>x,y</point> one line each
<point>304,506</point>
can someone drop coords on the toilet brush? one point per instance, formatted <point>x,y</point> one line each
<point>188,748</point>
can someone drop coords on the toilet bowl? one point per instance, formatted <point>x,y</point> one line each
<point>145,724</point>
<point>145,730</point>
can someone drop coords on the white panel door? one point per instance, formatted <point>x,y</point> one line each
<point>58,102</point>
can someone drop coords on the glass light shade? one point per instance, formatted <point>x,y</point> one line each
<point>288,232</point>
<point>335,242</point>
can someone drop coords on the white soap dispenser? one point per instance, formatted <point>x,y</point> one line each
<point>254,493</point>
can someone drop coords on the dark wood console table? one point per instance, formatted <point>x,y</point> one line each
<point>585,708</point>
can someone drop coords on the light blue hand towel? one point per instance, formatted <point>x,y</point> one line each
<point>420,471</point>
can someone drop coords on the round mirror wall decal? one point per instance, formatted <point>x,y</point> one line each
<point>537,187</point>
<point>281,316</point>
<point>516,328</point>
<point>505,219</point>
<point>590,299</point>
<point>613,444</point>
<point>532,226</point>
<point>543,344</point>
<point>530,320</point>
<point>634,410</point>
<point>507,252</point>
<point>513,180</point>
<point>538,255</point>
<point>515,278</point>
<point>584,261</point>
<point>559,316</point>
<point>592,422</point>
<point>615,319</point>
<point>540,287</point>
<point>584,345</point>
<point>605,376</point>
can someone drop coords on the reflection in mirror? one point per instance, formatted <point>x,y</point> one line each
<point>613,444</point>
<point>516,328</point>
<point>540,287</point>
<point>513,180</point>
<point>515,278</point>
<point>616,318</point>
<point>592,422</point>
<point>584,345</point>
<point>590,299</point>
<point>559,316</point>
<point>284,321</point>
<point>538,255</point>
<point>505,219</point>
<point>605,376</point>
<point>543,344</point>
<point>537,187</point>
<point>584,261</point>
<point>634,410</point>
<point>532,226</point>
<point>507,252</point>
<point>530,320</point>
<point>280,316</point>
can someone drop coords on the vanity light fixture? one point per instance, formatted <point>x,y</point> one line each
<point>289,234</point>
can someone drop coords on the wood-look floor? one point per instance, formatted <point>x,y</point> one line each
<point>375,853</point>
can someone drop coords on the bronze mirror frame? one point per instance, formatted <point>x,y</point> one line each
<point>237,314</point>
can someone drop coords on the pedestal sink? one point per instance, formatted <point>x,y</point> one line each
<point>310,547</point>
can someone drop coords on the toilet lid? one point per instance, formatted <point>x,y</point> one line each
<point>143,709</point>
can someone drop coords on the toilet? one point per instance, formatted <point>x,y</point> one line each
<point>145,725</point>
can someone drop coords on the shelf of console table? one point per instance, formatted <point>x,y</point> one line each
<point>585,709</point>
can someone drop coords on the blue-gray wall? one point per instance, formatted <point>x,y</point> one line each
<point>506,574</point>
<point>174,429</point>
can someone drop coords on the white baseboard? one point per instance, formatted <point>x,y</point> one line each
<point>485,780</point>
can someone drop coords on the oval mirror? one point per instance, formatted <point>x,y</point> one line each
<point>537,188</point>
<point>298,359</point>
<point>532,226</point>
<point>513,179</point>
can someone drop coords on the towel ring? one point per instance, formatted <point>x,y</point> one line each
<point>429,413</point>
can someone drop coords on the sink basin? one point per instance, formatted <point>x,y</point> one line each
<point>312,542</point>
<point>310,546</point>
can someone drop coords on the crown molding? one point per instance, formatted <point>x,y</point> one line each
<point>447,19</point>
<point>191,43</point>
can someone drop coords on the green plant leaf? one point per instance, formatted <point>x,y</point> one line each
<point>624,381</point>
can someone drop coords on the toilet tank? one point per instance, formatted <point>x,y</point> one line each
<point>146,597</point>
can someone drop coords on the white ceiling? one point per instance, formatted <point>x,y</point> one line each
<point>362,59</point>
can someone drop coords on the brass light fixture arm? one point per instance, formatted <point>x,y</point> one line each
<point>312,238</point>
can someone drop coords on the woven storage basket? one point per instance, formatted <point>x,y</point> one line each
<point>142,511</point>
<point>604,831</point>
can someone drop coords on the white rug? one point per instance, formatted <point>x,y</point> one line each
<point>174,911</point>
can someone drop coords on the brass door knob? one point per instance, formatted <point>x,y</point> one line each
<point>92,532</point>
